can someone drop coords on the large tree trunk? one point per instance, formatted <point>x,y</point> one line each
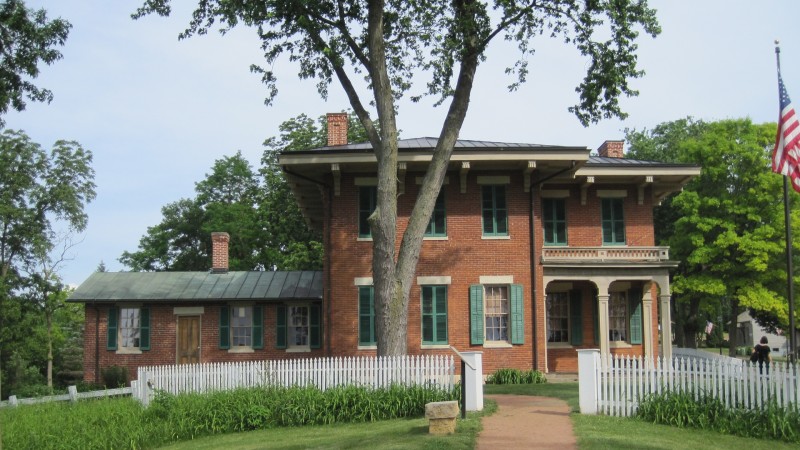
<point>393,276</point>
<point>732,325</point>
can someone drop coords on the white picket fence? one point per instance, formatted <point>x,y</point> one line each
<point>614,385</point>
<point>323,373</point>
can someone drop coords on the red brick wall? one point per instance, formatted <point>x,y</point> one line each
<point>163,340</point>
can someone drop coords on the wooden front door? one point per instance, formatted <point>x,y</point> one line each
<point>188,340</point>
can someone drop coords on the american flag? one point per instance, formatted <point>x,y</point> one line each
<point>786,156</point>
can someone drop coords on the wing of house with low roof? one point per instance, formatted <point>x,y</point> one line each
<point>135,319</point>
<point>533,251</point>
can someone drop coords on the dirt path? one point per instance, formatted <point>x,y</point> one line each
<point>527,422</point>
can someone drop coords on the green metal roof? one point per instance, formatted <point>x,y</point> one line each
<point>198,286</point>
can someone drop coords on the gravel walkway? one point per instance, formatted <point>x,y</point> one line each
<point>527,422</point>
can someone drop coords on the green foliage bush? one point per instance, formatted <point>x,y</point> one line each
<point>516,376</point>
<point>114,377</point>
<point>124,423</point>
<point>682,410</point>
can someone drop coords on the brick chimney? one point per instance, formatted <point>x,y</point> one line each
<point>219,252</point>
<point>337,129</point>
<point>611,149</point>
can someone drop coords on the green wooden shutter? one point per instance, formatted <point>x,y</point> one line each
<point>315,326</point>
<point>476,314</point>
<point>517,315</point>
<point>280,327</point>
<point>113,316</point>
<point>258,327</point>
<point>635,299</point>
<point>575,317</point>
<point>224,327</point>
<point>144,329</point>
<point>596,312</point>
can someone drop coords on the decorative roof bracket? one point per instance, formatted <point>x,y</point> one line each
<point>584,188</point>
<point>337,179</point>
<point>401,177</point>
<point>464,171</point>
<point>527,173</point>
<point>648,181</point>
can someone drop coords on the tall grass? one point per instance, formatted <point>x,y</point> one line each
<point>681,409</point>
<point>516,376</point>
<point>123,423</point>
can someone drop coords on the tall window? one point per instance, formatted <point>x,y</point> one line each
<point>495,212</point>
<point>554,215</point>
<point>366,315</point>
<point>367,201</point>
<point>613,221</point>
<point>242,326</point>
<point>434,315</point>
<point>129,328</point>
<point>298,326</point>
<point>438,224</point>
<point>496,298</point>
<point>617,317</point>
<point>558,317</point>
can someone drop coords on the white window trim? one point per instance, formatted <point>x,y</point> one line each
<point>496,238</point>
<point>446,280</point>
<point>290,348</point>
<point>362,281</point>
<point>503,281</point>
<point>239,348</point>
<point>367,347</point>
<point>497,344</point>
<point>434,238</point>
<point>556,345</point>
<point>128,350</point>
<point>496,279</point>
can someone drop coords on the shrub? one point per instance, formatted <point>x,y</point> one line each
<point>682,410</point>
<point>516,376</point>
<point>114,376</point>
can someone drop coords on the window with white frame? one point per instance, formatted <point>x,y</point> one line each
<point>129,328</point>
<point>496,312</point>
<point>242,326</point>
<point>434,315</point>
<point>617,316</point>
<point>298,326</point>
<point>558,317</point>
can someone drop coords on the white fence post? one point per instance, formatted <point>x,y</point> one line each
<point>588,381</point>
<point>473,380</point>
<point>73,394</point>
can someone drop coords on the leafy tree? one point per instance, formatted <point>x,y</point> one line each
<point>38,191</point>
<point>728,228</point>
<point>389,42</point>
<point>27,38</point>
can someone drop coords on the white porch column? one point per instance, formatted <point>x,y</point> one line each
<point>666,327</point>
<point>602,311</point>
<point>647,322</point>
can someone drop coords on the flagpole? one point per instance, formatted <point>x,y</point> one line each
<point>789,271</point>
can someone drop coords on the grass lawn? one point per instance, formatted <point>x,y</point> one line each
<point>604,432</point>
<point>388,434</point>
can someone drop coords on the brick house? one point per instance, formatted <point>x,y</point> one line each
<point>533,251</point>
<point>137,319</point>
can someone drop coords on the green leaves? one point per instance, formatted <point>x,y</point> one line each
<point>28,38</point>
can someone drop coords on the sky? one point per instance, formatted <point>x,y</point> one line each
<point>157,112</point>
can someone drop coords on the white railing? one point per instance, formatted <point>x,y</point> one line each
<point>562,254</point>
<point>72,395</point>
<point>323,373</point>
<point>614,385</point>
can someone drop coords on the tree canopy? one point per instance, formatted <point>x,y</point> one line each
<point>727,226</point>
<point>41,193</point>
<point>391,43</point>
<point>27,38</point>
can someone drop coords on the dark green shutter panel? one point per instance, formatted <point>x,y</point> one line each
<point>113,316</point>
<point>476,314</point>
<point>144,329</point>
<point>280,327</point>
<point>635,300</point>
<point>315,326</point>
<point>224,327</point>
<point>596,312</point>
<point>575,317</point>
<point>517,315</point>
<point>258,327</point>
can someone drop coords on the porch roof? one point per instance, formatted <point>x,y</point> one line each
<point>169,287</point>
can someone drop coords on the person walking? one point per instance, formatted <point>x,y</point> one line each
<point>762,354</point>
